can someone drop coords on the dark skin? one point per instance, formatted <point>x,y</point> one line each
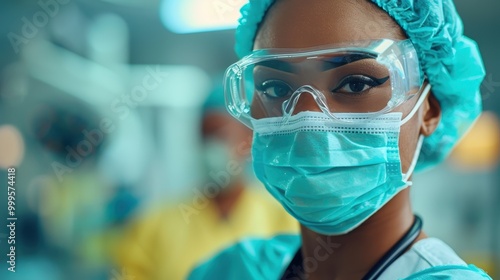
<point>303,24</point>
<point>238,138</point>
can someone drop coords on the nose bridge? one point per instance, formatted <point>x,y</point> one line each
<point>306,102</point>
<point>305,98</point>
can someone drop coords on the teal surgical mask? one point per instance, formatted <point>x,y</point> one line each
<point>216,155</point>
<point>219,161</point>
<point>332,174</point>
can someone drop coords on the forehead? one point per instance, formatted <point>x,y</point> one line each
<point>311,23</point>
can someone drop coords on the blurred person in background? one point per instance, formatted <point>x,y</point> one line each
<point>346,99</point>
<point>72,200</point>
<point>167,241</point>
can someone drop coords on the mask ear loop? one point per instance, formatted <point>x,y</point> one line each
<point>420,100</point>
<point>414,161</point>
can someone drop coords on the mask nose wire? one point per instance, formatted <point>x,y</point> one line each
<point>288,106</point>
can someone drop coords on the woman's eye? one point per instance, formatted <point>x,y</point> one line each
<point>275,88</point>
<point>358,84</point>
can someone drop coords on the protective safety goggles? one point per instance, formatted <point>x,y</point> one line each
<point>371,78</point>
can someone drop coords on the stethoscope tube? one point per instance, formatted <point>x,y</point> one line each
<point>396,251</point>
<point>393,254</point>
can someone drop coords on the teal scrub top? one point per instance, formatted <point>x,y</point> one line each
<point>268,259</point>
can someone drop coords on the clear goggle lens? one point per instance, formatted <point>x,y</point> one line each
<point>371,78</point>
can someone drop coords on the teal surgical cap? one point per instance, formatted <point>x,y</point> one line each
<point>450,60</point>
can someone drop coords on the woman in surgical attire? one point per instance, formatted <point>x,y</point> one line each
<point>346,99</point>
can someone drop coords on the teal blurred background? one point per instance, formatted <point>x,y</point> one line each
<point>130,76</point>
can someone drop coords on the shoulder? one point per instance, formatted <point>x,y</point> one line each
<point>443,263</point>
<point>435,252</point>
<point>431,258</point>
<point>251,258</point>
<point>152,214</point>
<point>452,272</point>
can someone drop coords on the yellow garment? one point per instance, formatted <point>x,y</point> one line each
<point>168,243</point>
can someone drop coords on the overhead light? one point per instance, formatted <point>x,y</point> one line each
<point>190,16</point>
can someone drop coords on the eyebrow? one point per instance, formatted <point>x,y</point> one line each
<point>339,61</point>
<point>328,63</point>
<point>278,65</point>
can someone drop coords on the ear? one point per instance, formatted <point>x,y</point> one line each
<point>431,112</point>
